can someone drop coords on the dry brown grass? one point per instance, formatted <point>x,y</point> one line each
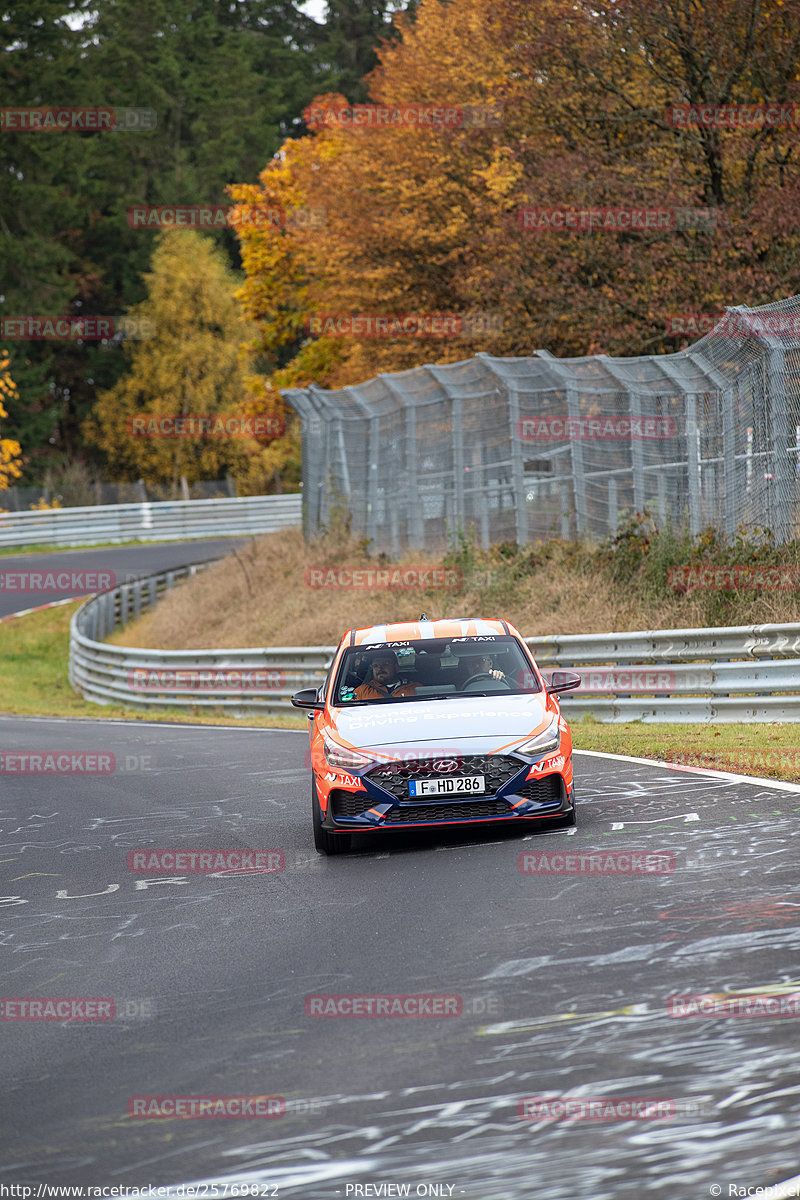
<point>258,597</point>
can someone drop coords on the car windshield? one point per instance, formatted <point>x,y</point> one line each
<point>435,669</point>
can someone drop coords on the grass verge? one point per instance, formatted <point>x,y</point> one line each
<point>763,749</point>
<point>34,651</point>
<point>119,544</point>
<point>34,656</point>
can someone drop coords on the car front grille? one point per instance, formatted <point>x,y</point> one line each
<point>349,804</point>
<point>496,768</point>
<point>468,810</point>
<point>544,790</point>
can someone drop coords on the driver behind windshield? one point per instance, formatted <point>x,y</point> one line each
<point>384,680</point>
<point>482,665</point>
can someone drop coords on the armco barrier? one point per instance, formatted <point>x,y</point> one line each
<point>241,681</point>
<point>160,521</point>
<point>736,673</point>
<point>684,668</point>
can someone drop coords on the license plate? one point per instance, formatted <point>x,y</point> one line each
<point>460,785</point>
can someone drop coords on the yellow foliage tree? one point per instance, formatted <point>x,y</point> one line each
<point>188,362</point>
<point>10,451</point>
<point>280,226</point>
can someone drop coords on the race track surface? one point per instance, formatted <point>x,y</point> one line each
<point>122,562</point>
<point>563,980</point>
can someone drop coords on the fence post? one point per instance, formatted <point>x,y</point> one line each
<point>729,467</point>
<point>415,520</point>
<point>577,464</point>
<point>517,449</point>
<point>564,373</point>
<point>566,531</point>
<point>781,485</point>
<point>661,483</point>
<point>613,507</point>
<point>457,425</point>
<point>693,463</point>
<point>372,480</point>
<point>517,468</point>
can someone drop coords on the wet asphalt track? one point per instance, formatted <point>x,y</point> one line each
<point>564,981</point>
<point>123,562</point>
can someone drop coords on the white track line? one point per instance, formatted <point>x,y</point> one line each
<point>24,612</point>
<point>778,784</point>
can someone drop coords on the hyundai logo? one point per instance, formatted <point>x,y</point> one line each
<point>443,765</point>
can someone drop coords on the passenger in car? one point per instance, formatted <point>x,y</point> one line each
<point>384,680</point>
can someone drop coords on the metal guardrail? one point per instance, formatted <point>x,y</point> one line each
<point>716,644</point>
<point>734,673</point>
<point>241,681</point>
<point>660,675</point>
<point>158,521</point>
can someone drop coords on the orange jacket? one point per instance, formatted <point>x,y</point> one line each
<point>375,691</point>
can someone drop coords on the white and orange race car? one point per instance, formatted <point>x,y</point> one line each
<point>430,723</point>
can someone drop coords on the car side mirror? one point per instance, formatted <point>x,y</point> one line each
<point>563,681</point>
<point>307,699</point>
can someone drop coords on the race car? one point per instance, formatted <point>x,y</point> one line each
<point>434,723</point>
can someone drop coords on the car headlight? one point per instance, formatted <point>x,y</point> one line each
<point>338,756</point>
<point>546,742</point>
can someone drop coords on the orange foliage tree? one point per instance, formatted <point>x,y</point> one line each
<point>422,219</point>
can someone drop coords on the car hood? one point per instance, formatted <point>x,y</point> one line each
<point>482,725</point>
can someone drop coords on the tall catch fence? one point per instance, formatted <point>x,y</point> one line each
<point>536,447</point>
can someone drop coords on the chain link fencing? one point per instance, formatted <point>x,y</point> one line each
<point>530,448</point>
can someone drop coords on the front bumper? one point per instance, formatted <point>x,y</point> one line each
<point>515,795</point>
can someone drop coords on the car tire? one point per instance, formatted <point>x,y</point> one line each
<point>324,842</point>
<point>571,818</point>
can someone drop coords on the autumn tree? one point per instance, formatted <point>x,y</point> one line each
<point>225,82</point>
<point>185,360</point>
<point>401,204</point>
<point>430,220</point>
<point>10,450</point>
<point>598,85</point>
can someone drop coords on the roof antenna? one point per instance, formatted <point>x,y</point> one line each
<point>424,617</point>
